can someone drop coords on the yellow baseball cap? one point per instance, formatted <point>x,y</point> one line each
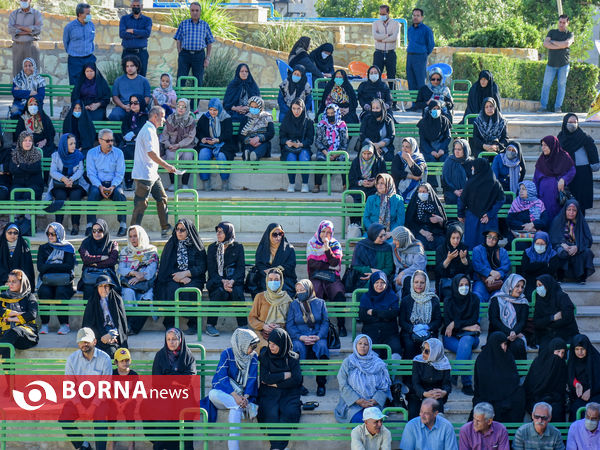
<point>122,354</point>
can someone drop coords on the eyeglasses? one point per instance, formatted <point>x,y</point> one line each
<point>491,238</point>
<point>134,103</point>
<point>180,230</point>
<point>436,79</point>
<point>13,232</point>
<point>97,231</point>
<point>108,140</point>
<point>277,234</point>
<point>537,417</point>
<point>50,233</point>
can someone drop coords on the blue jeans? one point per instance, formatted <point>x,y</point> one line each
<point>416,70</point>
<point>206,154</point>
<point>260,151</point>
<point>117,114</point>
<point>95,195</point>
<point>463,347</point>
<point>75,66</point>
<point>481,291</point>
<point>191,60</point>
<point>561,73</point>
<point>304,155</point>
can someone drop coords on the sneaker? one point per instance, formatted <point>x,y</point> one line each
<point>246,155</point>
<point>321,391</point>
<point>304,189</point>
<point>253,156</point>
<point>44,329</point>
<point>468,390</point>
<point>191,331</point>
<point>64,329</point>
<point>207,185</point>
<point>542,110</point>
<point>171,188</point>
<point>212,331</point>
<point>343,331</point>
<point>225,185</point>
<point>122,231</point>
<point>558,111</point>
<point>291,187</point>
<point>167,232</point>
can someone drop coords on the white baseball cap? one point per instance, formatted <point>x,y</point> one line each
<point>373,413</point>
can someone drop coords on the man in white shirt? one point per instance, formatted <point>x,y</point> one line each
<point>145,172</point>
<point>372,435</point>
<point>385,33</point>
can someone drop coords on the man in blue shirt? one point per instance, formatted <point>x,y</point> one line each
<point>78,39</point>
<point>127,85</point>
<point>194,44</point>
<point>134,30</point>
<point>105,169</point>
<point>429,431</point>
<point>420,45</point>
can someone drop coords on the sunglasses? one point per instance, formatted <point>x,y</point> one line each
<point>134,103</point>
<point>12,232</point>
<point>180,230</point>
<point>49,233</point>
<point>277,234</point>
<point>436,79</point>
<point>425,350</point>
<point>110,141</point>
<point>537,417</point>
<point>97,231</point>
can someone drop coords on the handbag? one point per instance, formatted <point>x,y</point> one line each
<point>333,338</point>
<point>140,286</point>
<point>91,274</point>
<point>564,195</point>
<point>251,285</point>
<point>351,279</point>
<point>324,275</point>
<point>493,287</point>
<point>57,279</point>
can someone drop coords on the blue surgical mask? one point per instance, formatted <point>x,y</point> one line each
<point>463,290</point>
<point>33,109</point>
<point>539,249</point>
<point>24,5</point>
<point>511,155</point>
<point>374,77</point>
<point>302,296</point>
<point>77,114</point>
<point>296,78</point>
<point>88,18</point>
<point>591,425</point>
<point>423,196</point>
<point>383,17</point>
<point>541,291</point>
<point>274,285</point>
<point>324,55</point>
<point>435,113</point>
<point>254,110</point>
<point>338,81</point>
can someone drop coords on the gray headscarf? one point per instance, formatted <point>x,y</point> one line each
<point>241,340</point>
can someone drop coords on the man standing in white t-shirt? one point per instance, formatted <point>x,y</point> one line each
<point>145,172</point>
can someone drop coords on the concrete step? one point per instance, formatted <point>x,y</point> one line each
<point>583,294</point>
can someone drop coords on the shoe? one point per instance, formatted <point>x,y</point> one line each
<point>291,187</point>
<point>64,329</point>
<point>75,230</point>
<point>542,110</point>
<point>129,187</point>
<point>321,391</point>
<point>212,331</point>
<point>225,185</point>
<point>207,186</point>
<point>304,189</point>
<point>171,188</point>
<point>122,232</point>
<point>558,111</point>
<point>246,155</point>
<point>44,329</point>
<point>468,390</point>
<point>343,331</point>
<point>185,186</point>
<point>303,391</point>
<point>253,156</point>
<point>316,189</point>
<point>191,331</point>
<point>454,380</point>
<point>88,231</point>
<point>130,332</point>
<point>167,232</point>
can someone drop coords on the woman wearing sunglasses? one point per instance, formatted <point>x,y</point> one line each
<point>14,254</point>
<point>435,89</point>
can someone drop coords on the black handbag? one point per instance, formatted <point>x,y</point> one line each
<point>251,285</point>
<point>91,274</point>
<point>351,279</point>
<point>564,195</point>
<point>141,286</point>
<point>57,279</point>
<point>324,275</point>
<point>333,338</point>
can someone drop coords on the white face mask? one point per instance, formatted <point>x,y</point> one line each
<point>324,55</point>
<point>591,425</point>
<point>383,17</point>
<point>374,77</point>
<point>511,155</point>
<point>571,127</point>
<point>539,249</point>
<point>541,291</point>
<point>423,196</point>
<point>463,290</point>
<point>33,109</point>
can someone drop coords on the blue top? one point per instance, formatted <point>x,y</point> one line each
<point>194,36</point>
<point>296,326</point>
<point>420,39</point>
<point>78,38</point>
<point>371,214</point>
<point>105,166</point>
<point>416,435</point>
<point>227,368</point>
<point>125,87</point>
<point>142,27</point>
<point>481,265</point>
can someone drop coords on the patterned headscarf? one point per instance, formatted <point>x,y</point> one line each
<point>182,120</point>
<point>437,358</point>
<point>22,156</point>
<point>33,122</point>
<point>144,254</point>
<point>384,199</point>
<point>367,374</point>
<point>332,129</point>
<point>421,312</point>
<point>256,122</point>
<point>241,340</point>
<point>366,166</point>
<point>31,82</point>
<point>23,291</point>
<point>506,302</point>
<point>60,246</point>
<point>532,203</point>
<point>229,231</point>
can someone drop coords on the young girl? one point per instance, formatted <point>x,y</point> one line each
<point>165,95</point>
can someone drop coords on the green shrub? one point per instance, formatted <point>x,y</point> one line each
<point>221,69</point>
<point>512,33</point>
<point>111,70</point>
<point>283,35</point>
<point>211,12</point>
<point>522,79</point>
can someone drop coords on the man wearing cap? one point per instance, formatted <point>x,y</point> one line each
<point>372,435</point>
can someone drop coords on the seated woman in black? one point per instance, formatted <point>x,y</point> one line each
<point>484,87</point>
<point>426,217</point>
<point>99,256</point>
<point>299,55</point>
<point>36,121</point>
<point>527,213</point>
<point>25,166</point>
<point>508,313</point>
<point>451,258</point>
<point>14,254</point>
<point>454,174</point>
<point>322,56</point>
<point>434,133</point>
<point>430,377</point>
<point>280,383</point>
<point>5,178</point>
<point>377,129</point>
<point>373,88</point>
<point>378,312</point>
<point>496,380</point>
<point>132,124</point>
<point>93,92</point>
<point>182,264</point>
<point>294,87</point>
<point>239,91</point>
<point>583,379</point>
<point>274,250</point>
<point>435,90</point>
<point>363,171</point>
<point>539,259</point>
<point>572,239</point>
<point>226,270</point>
<point>489,129</point>
<point>105,314</point>
<point>55,264</point>
<point>19,311</point>
<point>546,380</point>
<point>420,315</point>
<point>340,92</point>
<point>79,124</point>
<point>371,254</point>
<point>554,313</point>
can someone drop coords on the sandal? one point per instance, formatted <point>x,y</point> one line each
<point>309,406</point>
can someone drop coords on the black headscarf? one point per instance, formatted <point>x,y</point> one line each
<point>366,249</point>
<point>238,88</point>
<point>462,309</point>
<point>492,253</point>
<point>585,370</point>
<point>453,171</point>
<point>295,128</point>
<point>372,125</point>
<point>169,255</point>
<point>583,235</point>
<point>571,142</point>
<point>550,304</point>
<point>496,377</point>
<point>433,129</point>
<point>412,209</point>
<point>280,362</point>
<point>368,90</point>
<point>482,190</point>
<point>385,300</point>
<point>21,258</point>
<point>100,246</point>
<point>99,83</point>
<point>263,251</point>
<point>300,46</point>
<point>324,65</point>
<point>477,94</point>
<point>454,228</point>
<point>82,128</point>
<point>296,89</point>
<point>177,362</point>
<point>548,372</point>
<point>490,127</point>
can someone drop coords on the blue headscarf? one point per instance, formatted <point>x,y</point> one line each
<point>384,300</point>
<point>367,374</point>
<point>69,160</point>
<point>61,243</point>
<point>215,122</point>
<point>545,257</point>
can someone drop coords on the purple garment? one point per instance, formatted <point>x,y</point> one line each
<point>496,438</point>
<point>88,89</point>
<point>547,188</point>
<point>580,438</point>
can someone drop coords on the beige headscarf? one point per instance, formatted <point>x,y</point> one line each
<point>279,300</point>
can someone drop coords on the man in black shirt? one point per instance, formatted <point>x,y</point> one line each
<point>557,42</point>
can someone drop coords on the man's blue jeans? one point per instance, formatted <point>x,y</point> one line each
<point>561,73</point>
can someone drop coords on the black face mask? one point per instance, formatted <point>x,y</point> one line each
<point>331,119</point>
<point>377,114</point>
<point>302,296</point>
<point>136,10</point>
